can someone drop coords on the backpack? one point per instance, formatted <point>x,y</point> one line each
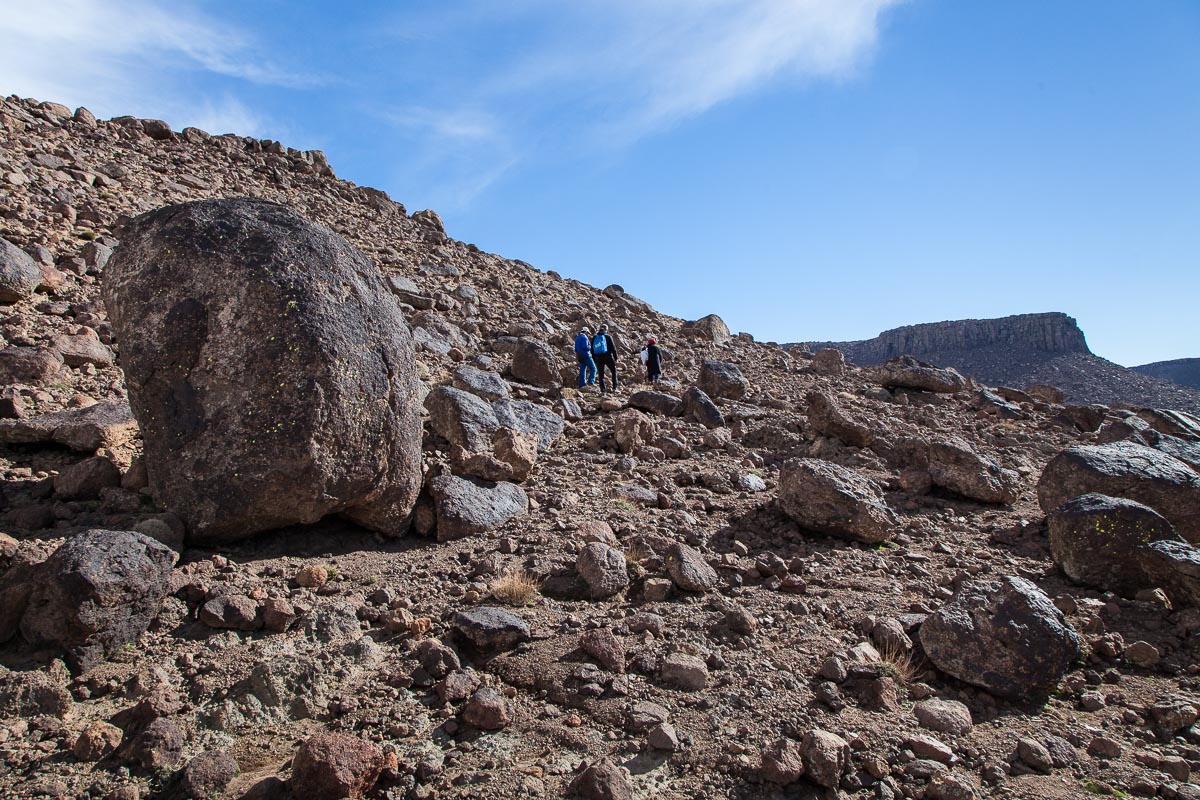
<point>600,344</point>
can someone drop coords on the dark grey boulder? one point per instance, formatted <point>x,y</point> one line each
<point>1087,418</point>
<point>484,384</point>
<point>906,372</point>
<point>529,417</point>
<point>656,403</point>
<point>467,506</point>
<point>991,403</point>
<point>1005,636</point>
<point>271,371</point>
<point>1096,539</point>
<point>700,407</point>
<point>98,592</point>
<point>829,498</point>
<point>1129,470</point>
<point>1172,423</point>
<point>19,273</point>
<point>722,379</point>
<point>534,362</point>
<point>462,418</point>
<point>489,629</point>
<point>955,465</point>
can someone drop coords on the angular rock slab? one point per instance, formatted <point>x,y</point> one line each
<point>722,379</point>
<point>826,497</point>
<point>1175,567</point>
<point>84,429</point>
<point>906,372</point>
<point>1005,636</point>
<point>466,506</point>
<point>956,465</point>
<point>1097,540</point>
<point>98,592</point>
<point>1129,470</point>
<point>271,371</point>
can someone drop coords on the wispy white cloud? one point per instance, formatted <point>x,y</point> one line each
<point>226,115</point>
<point>594,75</point>
<point>116,57</point>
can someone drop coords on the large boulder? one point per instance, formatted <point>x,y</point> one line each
<point>829,498</point>
<point>827,418</point>
<point>466,506</point>
<point>906,372</point>
<point>98,592</point>
<point>1173,566</point>
<point>335,765</point>
<point>1005,636</point>
<point>271,371</point>
<point>535,363</point>
<point>955,465</point>
<point>711,328</point>
<point>19,273</point>
<point>722,379</point>
<point>487,385</point>
<point>1096,539</point>
<point>1129,470</point>
<point>656,403</point>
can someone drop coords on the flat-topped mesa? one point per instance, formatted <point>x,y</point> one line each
<point>1052,332</point>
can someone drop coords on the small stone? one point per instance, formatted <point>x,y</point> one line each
<point>663,737</point>
<point>603,568</point>
<point>335,765</point>
<point>944,716</point>
<point>1103,747</point>
<point>685,672</point>
<point>826,756</point>
<point>1092,701</point>
<point>207,775</point>
<point>928,747</point>
<point>1035,755</point>
<point>487,711</point>
<point>602,781</point>
<point>231,611</point>
<point>782,762</point>
<point>97,741</point>
<point>491,629</point>
<point>689,570</point>
<point>1142,654</point>
<point>159,745</point>
<point>602,645</point>
<point>313,576</point>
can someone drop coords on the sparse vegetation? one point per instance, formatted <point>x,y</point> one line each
<point>900,665</point>
<point>516,587</point>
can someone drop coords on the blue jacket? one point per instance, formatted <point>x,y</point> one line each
<point>583,345</point>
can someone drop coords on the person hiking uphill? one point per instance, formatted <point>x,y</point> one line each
<point>652,358</point>
<point>583,353</point>
<point>604,351</point>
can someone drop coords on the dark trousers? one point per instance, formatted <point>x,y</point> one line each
<point>606,360</point>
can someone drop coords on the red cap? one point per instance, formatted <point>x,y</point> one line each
<point>652,341</point>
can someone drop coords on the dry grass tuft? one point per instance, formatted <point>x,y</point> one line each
<point>515,588</point>
<point>900,665</point>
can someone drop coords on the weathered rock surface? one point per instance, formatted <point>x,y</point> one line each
<point>827,417</point>
<point>98,592</point>
<point>467,506</point>
<point>85,429</point>
<point>270,370</point>
<point>722,379</point>
<point>19,274</point>
<point>906,372</point>
<point>826,497</point>
<point>955,465</point>
<point>535,363</point>
<point>1128,470</point>
<point>1005,636</point>
<point>1096,540</point>
<point>603,568</point>
<point>700,407</point>
<point>335,765</point>
<point>711,328</point>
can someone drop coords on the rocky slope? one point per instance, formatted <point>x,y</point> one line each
<point>1183,371</point>
<point>1021,350</point>
<point>636,602</point>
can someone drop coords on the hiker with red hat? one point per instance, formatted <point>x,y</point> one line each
<point>652,358</point>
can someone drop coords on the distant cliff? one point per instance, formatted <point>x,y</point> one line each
<point>1183,371</point>
<point>1053,332</point>
<point>1021,350</point>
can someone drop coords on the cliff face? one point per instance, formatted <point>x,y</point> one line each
<point>1024,349</point>
<point>1051,333</point>
<point>1183,371</point>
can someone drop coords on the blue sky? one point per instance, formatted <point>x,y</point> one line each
<point>808,169</point>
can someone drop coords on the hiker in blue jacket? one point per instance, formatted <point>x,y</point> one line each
<point>583,352</point>
<point>604,351</point>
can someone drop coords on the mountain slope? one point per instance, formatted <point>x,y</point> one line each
<point>1183,371</point>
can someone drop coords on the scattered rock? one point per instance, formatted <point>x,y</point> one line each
<point>782,762</point>
<point>944,716</point>
<point>906,372</point>
<point>826,756</point>
<point>98,740</point>
<point>688,569</point>
<point>722,379</point>
<point>335,765</point>
<point>829,498</point>
<point>490,629</point>
<point>487,711</point>
<point>19,274</point>
<point>603,568</point>
<point>467,506</point>
<point>602,781</point>
<point>1005,636</point>
<point>955,465</point>
<point>685,672</point>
